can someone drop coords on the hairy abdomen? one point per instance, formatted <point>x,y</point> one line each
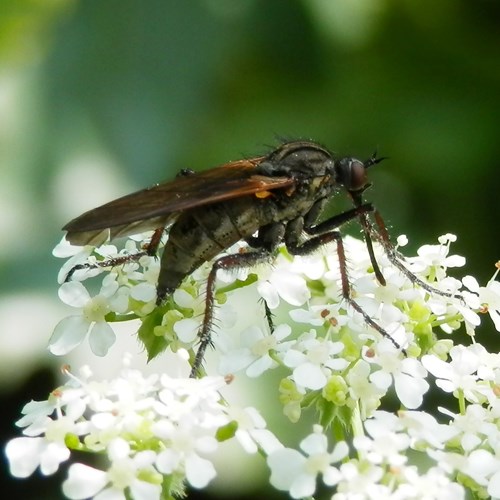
<point>198,235</point>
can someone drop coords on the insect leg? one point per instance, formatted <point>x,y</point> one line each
<point>150,249</point>
<point>382,236</point>
<point>365,224</point>
<point>360,211</point>
<point>336,221</point>
<point>227,262</point>
<point>313,244</point>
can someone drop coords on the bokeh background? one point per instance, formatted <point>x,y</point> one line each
<point>98,98</point>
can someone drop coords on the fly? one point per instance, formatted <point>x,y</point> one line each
<point>264,201</point>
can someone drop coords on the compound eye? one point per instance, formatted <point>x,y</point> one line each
<point>352,174</point>
<point>358,178</point>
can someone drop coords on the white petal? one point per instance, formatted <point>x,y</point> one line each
<point>167,461</point>
<point>269,294</point>
<point>495,316</point>
<point>303,486</point>
<point>101,338</point>
<point>437,367</point>
<point>314,444</point>
<point>469,315</point>
<point>74,294</point>
<point>142,490</point>
<point>339,452</point>
<point>291,288</point>
<point>83,482</point>
<point>186,329</point>
<point>285,465</point>
<point>381,379</point>
<point>251,336</point>
<point>68,334</point>
<point>65,249</point>
<point>53,455</point>
<point>471,283</point>
<point>331,476</point>
<point>246,441</point>
<point>206,444</point>
<point>494,485</point>
<point>183,298</point>
<point>111,493</point>
<point>259,366</point>
<point>144,292</point>
<point>310,376</point>
<point>266,440</point>
<point>410,390</point>
<point>306,316</point>
<point>24,455</point>
<point>235,361</point>
<point>282,332</point>
<point>294,358</point>
<point>118,448</point>
<point>412,366</point>
<point>199,472</point>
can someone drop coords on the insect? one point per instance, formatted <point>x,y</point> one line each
<point>265,201</point>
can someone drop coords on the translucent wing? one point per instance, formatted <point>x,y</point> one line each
<point>159,205</point>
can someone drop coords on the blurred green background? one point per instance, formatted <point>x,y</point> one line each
<point>98,98</point>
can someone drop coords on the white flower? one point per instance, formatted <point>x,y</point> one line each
<point>123,474</point>
<point>26,454</point>
<point>185,445</point>
<point>296,473</point>
<point>474,427</point>
<point>484,468</point>
<point>384,446</point>
<point>435,258</point>
<point>431,485</point>
<point>362,389</point>
<point>164,430</point>
<point>254,355</point>
<point>313,359</point>
<point>284,282</point>
<point>459,373</point>
<point>408,374</point>
<point>251,432</point>
<point>423,428</point>
<point>131,418</point>
<point>71,331</point>
<point>488,296</point>
<point>361,480</point>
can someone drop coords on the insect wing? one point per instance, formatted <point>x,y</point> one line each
<point>158,205</point>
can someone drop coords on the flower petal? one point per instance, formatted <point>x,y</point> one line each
<point>101,338</point>
<point>83,482</point>
<point>68,334</point>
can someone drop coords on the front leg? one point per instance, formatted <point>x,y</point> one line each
<point>311,245</point>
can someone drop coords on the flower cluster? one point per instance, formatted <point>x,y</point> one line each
<point>148,427</point>
<point>159,433</point>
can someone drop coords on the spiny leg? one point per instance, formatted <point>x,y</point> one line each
<point>383,237</point>
<point>361,212</point>
<point>346,291</point>
<point>369,245</point>
<point>150,250</point>
<point>313,244</point>
<point>269,315</point>
<point>233,261</point>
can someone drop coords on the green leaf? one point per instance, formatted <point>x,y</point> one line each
<point>227,431</point>
<point>154,344</point>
